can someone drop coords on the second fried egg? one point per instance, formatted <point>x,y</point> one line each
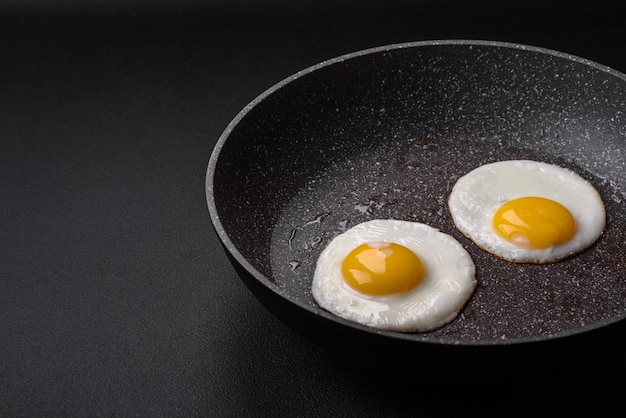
<point>527,211</point>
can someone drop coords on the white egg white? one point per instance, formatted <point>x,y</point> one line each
<point>448,284</point>
<point>477,195</point>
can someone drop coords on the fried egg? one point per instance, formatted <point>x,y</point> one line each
<point>527,211</point>
<point>394,275</point>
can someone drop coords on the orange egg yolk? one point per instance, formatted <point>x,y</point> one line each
<point>534,223</point>
<point>382,269</point>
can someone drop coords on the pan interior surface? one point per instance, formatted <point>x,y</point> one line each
<point>386,134</point>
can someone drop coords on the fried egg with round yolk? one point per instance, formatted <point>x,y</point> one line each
<point>394,275</point>
<point>527,211</point>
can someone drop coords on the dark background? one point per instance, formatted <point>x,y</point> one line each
<point>116,298</point>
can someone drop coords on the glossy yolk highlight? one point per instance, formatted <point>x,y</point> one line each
<point>534,222</point>
<point>382,269</point>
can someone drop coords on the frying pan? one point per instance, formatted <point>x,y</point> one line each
<point>385,133</point>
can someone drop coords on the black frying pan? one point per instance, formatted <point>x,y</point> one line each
<point>385,133</point>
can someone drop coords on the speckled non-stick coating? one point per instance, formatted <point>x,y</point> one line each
<point>386,133</point>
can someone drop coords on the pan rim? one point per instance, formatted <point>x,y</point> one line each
<point>421,338</point>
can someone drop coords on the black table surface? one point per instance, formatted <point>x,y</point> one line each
<point>116,298</point>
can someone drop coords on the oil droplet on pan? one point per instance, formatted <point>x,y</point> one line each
<point>315,241</point>
<point>318,219</point>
